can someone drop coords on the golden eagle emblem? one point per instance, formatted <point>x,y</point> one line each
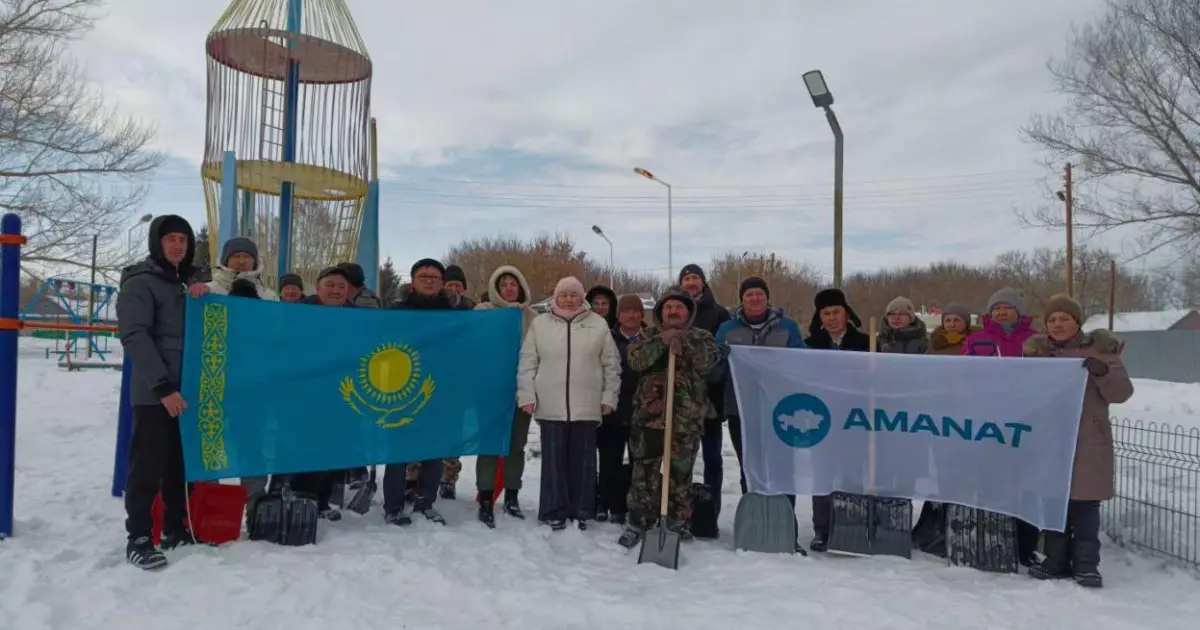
<point>387,386</point>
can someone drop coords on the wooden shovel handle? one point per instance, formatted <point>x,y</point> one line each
<point>667,430</point>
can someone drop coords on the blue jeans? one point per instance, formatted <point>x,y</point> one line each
<point>714,464</point>
<point>427,485</point>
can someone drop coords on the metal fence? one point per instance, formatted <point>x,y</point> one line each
<point>1157,502</point>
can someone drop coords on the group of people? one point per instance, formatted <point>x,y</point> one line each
<point>593,372</point>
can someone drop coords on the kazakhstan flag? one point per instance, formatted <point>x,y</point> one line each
<point>284,388</point>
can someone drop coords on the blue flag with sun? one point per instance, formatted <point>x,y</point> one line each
<point>283,388</point>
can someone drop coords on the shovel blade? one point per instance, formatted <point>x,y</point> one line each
<point>661,547</point>
<point>360,503</point>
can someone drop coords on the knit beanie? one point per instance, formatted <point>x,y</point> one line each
<point>631,302</point>
<point>175,224</point>
<point>1062,303</point>
<point>454,273</point>
<point>901,304</point>
<point>428,262</point>
<point>693,269</point>
<point>1009,296</point>
<point>291,279</point>
<point>753,282</point>
<point>239,245</point>
<point>354,273</point>
<point>959,310</point>
<point>570,284</point>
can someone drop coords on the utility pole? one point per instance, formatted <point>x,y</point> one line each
<point>1070,234</point>
<point>1112,292</point>
<point>91,295</point>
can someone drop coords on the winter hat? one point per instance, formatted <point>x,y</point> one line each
<point>693,269</point>
<point>243,288</point>
<point>676,294</point>
<point>570,284</point>
<point>902,304</point>
<point>1009,296</point>
<point>832,297</point>
<point>239,245</point>
<point>753,282</point>
<point>175,224</point>
<point>455,273</point>
<point>1062,303</point>
<point>332,271</point>
<point>291,279</point>
<point>631,302</point>
<point>354,273</point>
<point>427,262</point>
<point>959,310</point>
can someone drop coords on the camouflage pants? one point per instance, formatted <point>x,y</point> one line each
<point>450,469</point>
<point>645,493</point>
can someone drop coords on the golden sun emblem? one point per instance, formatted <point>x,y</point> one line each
<point>387,386</point>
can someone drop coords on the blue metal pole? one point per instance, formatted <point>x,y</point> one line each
<point>124,430</point>
<point>227,227</point>
<point>368,236</point>
<point>291,98</point>
<point>10,281</point>
<point>248,214</point>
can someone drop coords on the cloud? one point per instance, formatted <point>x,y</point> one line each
<point>548,105</point>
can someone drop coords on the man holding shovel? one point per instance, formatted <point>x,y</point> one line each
<point>696,354</point>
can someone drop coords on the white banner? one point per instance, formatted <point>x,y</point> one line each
<point>997,434</point>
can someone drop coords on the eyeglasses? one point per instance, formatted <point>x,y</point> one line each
<point>427,278</point>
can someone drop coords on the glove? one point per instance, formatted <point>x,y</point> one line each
<point>1095,367</point>
<point>673,339</point>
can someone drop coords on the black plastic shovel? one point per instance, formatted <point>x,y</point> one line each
<point>661,545</point>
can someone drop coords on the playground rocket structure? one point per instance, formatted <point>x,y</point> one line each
<point>289,153</point>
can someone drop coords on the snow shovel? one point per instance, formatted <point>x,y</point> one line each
<point>360,503</point>
<point>864,524</point>
<point>661,545</point>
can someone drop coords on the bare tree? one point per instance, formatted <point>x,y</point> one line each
<point>1132,122</point>
<point>69,165</point>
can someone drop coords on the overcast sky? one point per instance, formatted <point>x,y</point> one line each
<point>524,117</point>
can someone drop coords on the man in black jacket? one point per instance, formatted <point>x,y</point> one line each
<point>612,438</point>
<point>427,292</point>
<point>835,326</point>
<point>709,316</point>
<point>150,318</point>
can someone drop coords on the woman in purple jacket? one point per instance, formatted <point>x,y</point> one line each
<point>1005,327</point>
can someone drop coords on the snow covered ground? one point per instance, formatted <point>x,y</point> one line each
<point>64,566</point>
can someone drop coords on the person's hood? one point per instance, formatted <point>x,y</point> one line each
<point>600,289</point>
<point>525,296</point>
<point>1102,340</point>
<point>225,276</point>
<point>155,262</point>
<point>675,293</point>
<point>405,291</point>
<point>773,313</point>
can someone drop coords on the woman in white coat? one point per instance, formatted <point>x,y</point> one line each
<point>568,379</point>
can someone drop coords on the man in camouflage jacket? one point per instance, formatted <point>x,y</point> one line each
<point>696,354</point>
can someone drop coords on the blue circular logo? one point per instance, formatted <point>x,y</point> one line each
<point>801,420</point>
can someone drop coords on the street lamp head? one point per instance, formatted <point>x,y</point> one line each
<point>818,89</point>
<point>146,218</point>
<point>1061,195</point>
<point>643,172</point>
<point>597,230</point>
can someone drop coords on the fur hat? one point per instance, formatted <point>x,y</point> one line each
<point>1009,296</point>
<point>1063,303</point>
<point>827,298</point>
<point>239,245</point>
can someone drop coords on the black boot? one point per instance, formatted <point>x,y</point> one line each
<point>511,507</point>
<point>1084,517</point>
<point>446,490</point>
<point>487,512</point>
<point>820,542</point>
<point>174,540</point>
<point>1056,564</point>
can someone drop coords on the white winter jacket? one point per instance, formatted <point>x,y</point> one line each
<point>568,369</point>
<point>223,277</point>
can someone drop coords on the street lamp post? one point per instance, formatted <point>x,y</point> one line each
<point>823,98</point>
<point>670,241</point>
<point>145,218</point>
<point>612,283</point>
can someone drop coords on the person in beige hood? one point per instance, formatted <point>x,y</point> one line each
<point>507,288</point>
